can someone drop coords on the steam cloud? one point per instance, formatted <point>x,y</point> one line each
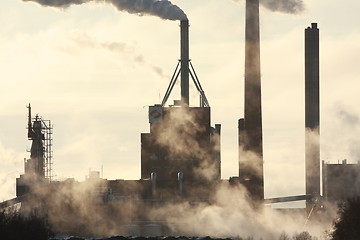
<point>99,214</point>
<point>347,117</point>
<point>285,6</point>
<point>161,8</point>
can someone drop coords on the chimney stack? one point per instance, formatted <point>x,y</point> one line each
<point>184,42</point>
<point>312,116</point>
<point>251,165</point>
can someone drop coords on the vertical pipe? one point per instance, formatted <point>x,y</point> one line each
<point>153,179</point>
<point>241,128</point>
<point>184,59</point>
<point>181,182</point>
<point>325,180</point>
<point>216,138</point>
<point>252,164</point>
<point>312,115</point>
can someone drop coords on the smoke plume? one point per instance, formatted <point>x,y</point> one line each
<point>90,208</point>
<point>230,215</point>
<point>161,8</point>
<point>347,116</point>
<point>125,50</point>
<point>285,6</point>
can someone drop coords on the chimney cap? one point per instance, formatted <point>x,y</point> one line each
<point>314,25</point>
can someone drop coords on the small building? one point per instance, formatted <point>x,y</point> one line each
<point>340,181</point>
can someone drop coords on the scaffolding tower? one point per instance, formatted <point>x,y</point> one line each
<point>40,133</point>
<point>48,152</point>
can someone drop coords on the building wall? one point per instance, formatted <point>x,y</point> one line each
<point>340,181</point>
<point>180,140</point>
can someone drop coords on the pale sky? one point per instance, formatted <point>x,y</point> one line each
<point>93,70</point>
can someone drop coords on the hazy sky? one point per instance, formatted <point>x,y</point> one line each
<point>93,70</point>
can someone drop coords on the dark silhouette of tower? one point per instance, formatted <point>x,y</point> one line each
<point>312,116</point>
<point>184,60</point>
<point>250,128</point>
<point>35,165</point>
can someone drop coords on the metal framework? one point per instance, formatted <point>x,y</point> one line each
<point>203,100</point>
<point>47,130</point>
<point>48,152</point>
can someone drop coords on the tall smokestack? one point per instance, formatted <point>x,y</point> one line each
<point>184,42</point>
<point>312,116</point>
<point>251,165</point>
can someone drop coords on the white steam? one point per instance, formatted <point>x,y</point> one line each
<point>85,209</point>
<point>161,8</point>
<point>180,133</point>
<point>230,215</point>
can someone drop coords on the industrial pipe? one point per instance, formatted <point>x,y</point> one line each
<point>184,59</point>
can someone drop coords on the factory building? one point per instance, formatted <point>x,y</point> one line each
<point>180,162</point>
<point>340,181</point>
<point>182,149</point>
<point>181,146</point>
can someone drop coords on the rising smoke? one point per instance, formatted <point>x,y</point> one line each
<point>161,8</point>
<point>123,49</point>
<point>349,122</point>
<point>86,209</point>
<point>285,6</point>
<point>347,116</point>
<point>230,215</point>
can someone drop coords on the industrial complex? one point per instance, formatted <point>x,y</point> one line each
<point>181,154</point>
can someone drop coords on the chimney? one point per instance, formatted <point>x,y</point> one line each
<point>184,42</point>
<point>312,116</point>
<point>251,166</point>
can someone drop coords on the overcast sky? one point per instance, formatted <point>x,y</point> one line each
<point>93,70</point>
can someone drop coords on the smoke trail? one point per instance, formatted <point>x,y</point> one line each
<point>161,8</point>
<point>347,117</point>
<point>285,6</point>
<point>123,49</point>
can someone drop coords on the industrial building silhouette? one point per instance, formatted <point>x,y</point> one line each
<point>180,155</point>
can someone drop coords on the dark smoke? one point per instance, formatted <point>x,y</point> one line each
<point>285,6</point>
<point>161,8</point>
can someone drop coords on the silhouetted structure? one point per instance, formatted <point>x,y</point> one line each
<point>180,156</point>
<point>184,60</point>
<point>182,150</point>
<point>340,181</point>
<point>250,128</point>
<point>312,116</point>
<point>38,168</point>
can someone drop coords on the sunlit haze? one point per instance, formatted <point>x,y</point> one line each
<point>93,70</point>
